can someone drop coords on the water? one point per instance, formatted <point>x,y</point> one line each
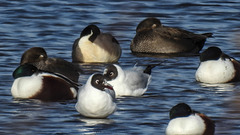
<point>55,25</point>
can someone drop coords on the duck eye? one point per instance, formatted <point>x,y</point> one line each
<point>97,81</point>
<point>41,56</point>
<point>111,73</point>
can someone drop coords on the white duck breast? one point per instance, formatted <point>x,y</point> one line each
<point>96,98</point>
<point>215,71</point>
<point>191,125</point>
<point>132,82</point>
<point>26,87</point>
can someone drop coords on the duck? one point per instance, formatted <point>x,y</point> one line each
<point>154,38</point>
<point>185,121</point>
<point>129,82</point>
<point>96,99</point>
<point>38,57</point>
<point>33,83</point>
<point>217,67</point>
<point>95,47</point>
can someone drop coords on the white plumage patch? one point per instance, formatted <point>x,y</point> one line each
<point>215,71</point>
<point>85,39</point>
<point>94,103</point>
<point>74,92</point>
<point>26,87</point>
<point>132,82</point>
<point>192,125</point>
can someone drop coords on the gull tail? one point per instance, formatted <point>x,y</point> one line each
<point>148,69</point>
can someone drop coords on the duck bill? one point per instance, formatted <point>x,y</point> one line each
<point>108,86</point>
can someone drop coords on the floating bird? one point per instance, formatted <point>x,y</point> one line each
<point>132,82</point>
<point>217,67</point>
<point>95,47</point>
<point>152,37</point>
<point>185,121</point>
<point>37,56</point>
<point>96,99</point>
<point>32,83</point>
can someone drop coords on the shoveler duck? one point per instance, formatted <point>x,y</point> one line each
<point>32,83</point>
<point>185,121</point>
<point>217,67</point>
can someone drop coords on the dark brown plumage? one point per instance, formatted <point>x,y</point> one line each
<point>152,37</point>
<point>37,56</point>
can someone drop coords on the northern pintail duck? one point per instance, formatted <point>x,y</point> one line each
<point>95,47</point>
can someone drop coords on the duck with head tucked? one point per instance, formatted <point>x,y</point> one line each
<point>154,38</point>
<point>185,121</point>
<point>32,83</point>
<point>217,67</point>
<point>37,57</point>
<point>95,47</point>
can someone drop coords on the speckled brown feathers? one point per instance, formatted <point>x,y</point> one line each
<point>152,37</point>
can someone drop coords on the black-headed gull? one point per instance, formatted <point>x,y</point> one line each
<point>96,99</point>
<point>132,82</point>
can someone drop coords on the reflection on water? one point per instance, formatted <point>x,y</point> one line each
<point>88,125</point>
<point>219,87</point>
<point>95,122</point>
<point>234,103</point>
